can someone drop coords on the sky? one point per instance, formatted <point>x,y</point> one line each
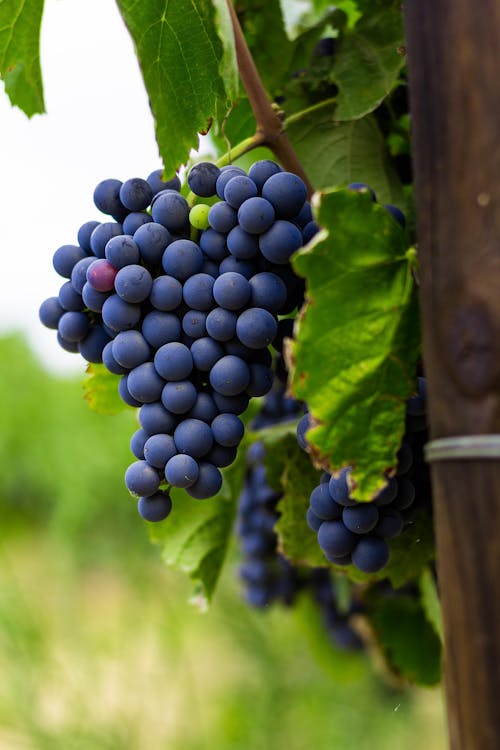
<point>98,124</point>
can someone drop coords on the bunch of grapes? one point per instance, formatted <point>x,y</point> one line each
<point>356,533</point>
<point>182,304</point>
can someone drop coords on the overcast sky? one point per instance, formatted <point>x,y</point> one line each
<point>98,124</point>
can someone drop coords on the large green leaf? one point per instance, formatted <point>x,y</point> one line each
<point>20,53</point>
<point>185,51</point>
<point>406,638</point>
<point>369,59</point>
<point>357,340</point>
<point>195,537</point>
<point>335,154</point>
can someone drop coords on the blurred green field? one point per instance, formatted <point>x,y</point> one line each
<point>100,648</point>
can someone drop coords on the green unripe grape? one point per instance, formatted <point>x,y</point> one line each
<point>198,216</point>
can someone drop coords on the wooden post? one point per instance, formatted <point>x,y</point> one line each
<point>454,66</point>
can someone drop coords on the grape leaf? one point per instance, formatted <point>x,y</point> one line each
<point>195,537</point>
<point>406,638</point>
<point>289,470</point>
<point>101,390</point>
<point>187,62</point>
<point>20,53</point>
<point>430,601</point>
<point>368,60</point>
<point>357,339</point>
<point>335,154</point>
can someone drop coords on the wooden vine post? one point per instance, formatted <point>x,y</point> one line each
<point>454,67</point>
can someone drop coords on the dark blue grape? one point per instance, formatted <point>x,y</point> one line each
<point>157,183</point>
<point>285,330</point>
<point>238,349</point>
<point>256,215</point>
<point>155,419</point>
<point>166,293</point>
<point>231,404</point>
<point>110,362</point>
<point>256,328</point>
<point>172,210</point>
<point>135,220</point>
<point>144,383</point>
<point>125,393</point>
<point>50,312</point>
<point>268,291</point>
<point>361,518</point>
<point>417,405</point>
<point>122,251</point>
<point>93,299</point>
<point>133,283</point>
<point>261,170</point>
<point>120,315</point>
<point>405,459</point>
<point>405,496</point>
<point>69,299</point>
<point>182,259</point>
<point>227,173</point>
<point>179,397</point>
<point>286,192</point>
<point>323,505</point>
<point>389,492</point>
<point>79,273</point>
<point>198,291</point>
<point>136,194</point>
<point>94,342</point>
<point>205,353</point>
<point>155,508</point>
<point>159,449</point>
<point>193,324</point>
<point>130,349</point>
<point>231,291</point>
<point>173,361</point>
<point>152,239</point>
<point>142,479</point>
<point>222,217</point>
<point>84,233</point>
<point>229,376</point>
<point>239,189</point>
<point>305,216</point>
<point>280,241</point>
<point>309,231</point>
<point>390,524</point>
<point>194,437</point>
<point>335,540</point>
<point>208,483</point>
<point>69,346</point>
<point>204,408</point>
<point>211,268</point>
<point>214,245</point>
<point>102,234</point>
<point>66,257</point>
<point>221,456</point>
<point>261,379</point>
<point>107,198</point>
<point>228,430</point>
<point>181,471</point>
<point>339,488</point>
<point>221,324</point>
<point>371,554</point>
<point>202,178</point>
<point>313,521</point>
<point>137,442</point>
<point>241,244</point>
<point>74,326</point>
<point>302,427</point>
<point>159,328</point>
<point>246,268</point>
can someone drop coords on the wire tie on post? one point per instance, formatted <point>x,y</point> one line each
<point>463,447</point>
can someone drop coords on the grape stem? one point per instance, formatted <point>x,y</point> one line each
<point>270,131</point>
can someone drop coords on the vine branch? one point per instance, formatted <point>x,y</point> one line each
<point>269,125</point>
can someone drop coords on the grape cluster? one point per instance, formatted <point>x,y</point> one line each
<point>182,304</point>
<point>267,575</point>
<point>356,533</point>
